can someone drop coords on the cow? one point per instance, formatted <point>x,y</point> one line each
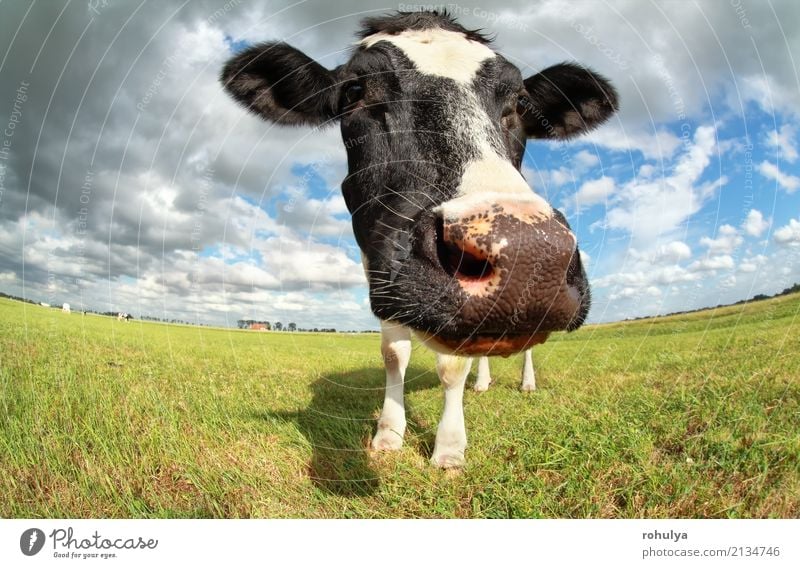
<point>457,248</point>
<point>484,378</point>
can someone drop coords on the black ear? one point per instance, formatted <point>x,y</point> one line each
<point>281,84</point>
<point>566,100</point>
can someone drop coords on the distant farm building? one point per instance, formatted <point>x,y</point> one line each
<point>254,325</point>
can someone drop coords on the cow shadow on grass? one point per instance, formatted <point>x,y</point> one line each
<point>341,420</point>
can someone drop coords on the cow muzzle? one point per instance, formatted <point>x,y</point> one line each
<point>513,263</point>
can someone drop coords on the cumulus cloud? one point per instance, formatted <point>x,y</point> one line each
<point>718,262</point>
<point>647,171</point>
<point>594,191</point>
<point>549,179</point>
<point>727,241</point>
<point>785,181</point>
<point>752,264</point>
<point>147,176</point>
<point>782,141</point>
<point>673,252</point>
<point>649,208</point>
<point>659,144</point>
<point>755,224</point>
<point>669,253</point>
<point>646,277</point>
<point>630,292</point>
<point>587,159</point>
<point>788,234</point>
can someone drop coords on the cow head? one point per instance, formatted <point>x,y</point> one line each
<point>455,244</point>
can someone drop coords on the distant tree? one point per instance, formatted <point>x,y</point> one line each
<point>791,289</point>
<point>278,326</point>
<point>292,327</point>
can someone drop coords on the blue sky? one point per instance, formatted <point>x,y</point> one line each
<point>131,182</point>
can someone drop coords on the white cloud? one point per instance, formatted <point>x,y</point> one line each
<point>317,217</point>
<point>750,265</point>
<point>669,253</point>
<point>632,292</point>
<point>788,234</point>
<point>719,262</point>
<point>673,252</point>
<point>649,208</point>
<point>767,92</point>
<point>587,159</point>
<point>644,278</point>
<point>785,181</point>
<point>594,191</point>
<point>548,179</point>
<point>647,171</point>
<point>657,144</point>
<point>755,224</point>
<point>782,141</point>
<point>727,241</point>
<point>297,261</point>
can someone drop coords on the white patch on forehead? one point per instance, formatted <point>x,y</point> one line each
<point>492,179</point>
<point>488,174</point>
<point>465,205</point>
<point>438,52</point>
<point>493,174</point>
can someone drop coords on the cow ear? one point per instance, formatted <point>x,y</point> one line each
<point>281,84</point>
<point>566,100</point>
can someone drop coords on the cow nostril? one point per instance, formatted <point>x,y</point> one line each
<point>466,266</point>
<point>458,262</point>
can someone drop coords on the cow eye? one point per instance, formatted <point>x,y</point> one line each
<point>353,93</point>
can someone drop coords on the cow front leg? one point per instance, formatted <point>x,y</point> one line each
<point>484,378</point>
<point>451,436</point>
<point>396,351</point>
<point>528,375</point>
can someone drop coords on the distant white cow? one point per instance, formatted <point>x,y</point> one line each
<point>122,316</point>
<point>528,376</point>
<point>65,308</point>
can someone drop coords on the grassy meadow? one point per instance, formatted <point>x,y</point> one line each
<point>695,415</point>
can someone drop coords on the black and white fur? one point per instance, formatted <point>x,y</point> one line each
<point>435,123</point>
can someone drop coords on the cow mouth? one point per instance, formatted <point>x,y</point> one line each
<point>483,344</point>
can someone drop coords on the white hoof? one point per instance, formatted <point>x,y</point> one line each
<point>528,387</point>
<point>482,386</point>
<point>448,460</point>
<point>387,440</point>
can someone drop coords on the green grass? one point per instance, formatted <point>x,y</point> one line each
<point>684,416</point>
